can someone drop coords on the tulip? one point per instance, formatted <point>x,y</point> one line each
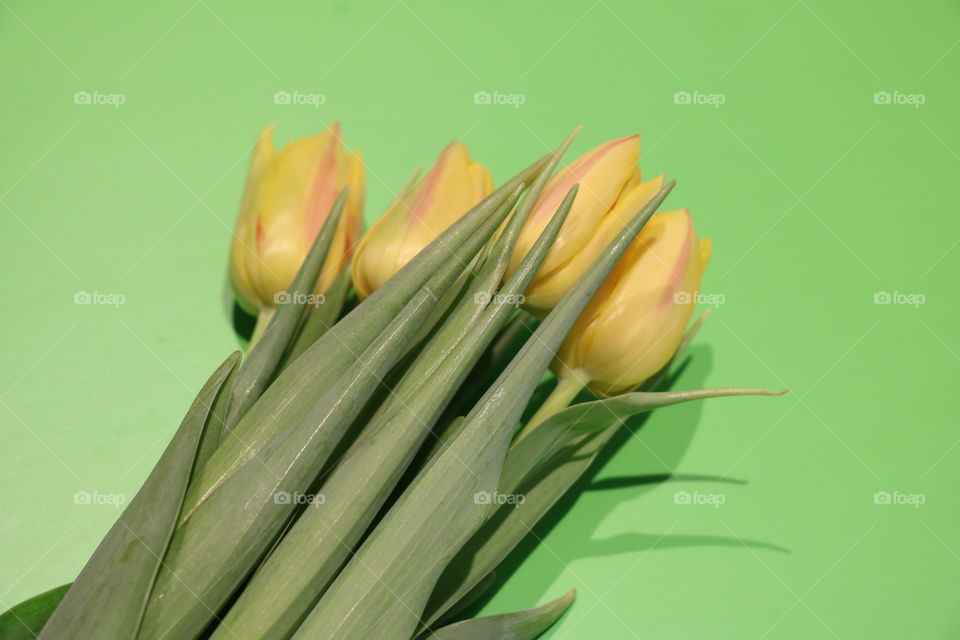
<point>288,195</point>
<point>420,213</point>
<point>634,323</point>
<point>611,191</point>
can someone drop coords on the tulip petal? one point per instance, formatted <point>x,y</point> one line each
<point>260,366</point>
<point>296,389</point>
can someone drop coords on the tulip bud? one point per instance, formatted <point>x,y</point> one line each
<point>635,321</point>
<point>288,195</point>
<point>611,191</point>
<point>419,214</point>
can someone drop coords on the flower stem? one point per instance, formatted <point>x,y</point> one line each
<point>562,395</point>
<point>263,319</point>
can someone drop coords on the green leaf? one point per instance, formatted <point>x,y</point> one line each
<point>296,389</point>
<point>542,481</point>
<point>384,588</point>
<point>261,364</point>
<point>291,579</point>
<point>216,422</point>
<point>319,319</point>
<point>518,625</point>
<point>566,425</point>
<point>26,620</point>
<point>108,597</point>
<point>217,548</point>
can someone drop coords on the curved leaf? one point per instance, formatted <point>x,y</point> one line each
<point>517,625</point>
<point>108,598</point>
<point>318,320</point>
<point>287,585</point>
<point>384,589</point>
<point>26,620</point>
<point>260,365</point>
<point>296,389</point>
<point>220,545</point>
<point>566,425</point>
<point>541,487</point>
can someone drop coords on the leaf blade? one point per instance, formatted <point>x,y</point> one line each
<point>525,624</point>
<point>108,598</point>
<point>25,621</point>
<point>260,365</point>
<point>382,592</point>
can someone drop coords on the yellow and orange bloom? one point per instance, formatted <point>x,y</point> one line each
<point>287,198</point>
<point>634,323</point>
<point>452,186</point>
<point>611,192</point>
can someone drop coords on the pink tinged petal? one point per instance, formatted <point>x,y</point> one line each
<point>680,266</point>
<point>566,179</point>
<point>323,192</point>
<point>426,191</point>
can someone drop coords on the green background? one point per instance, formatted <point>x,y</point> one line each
<point>816,196</point>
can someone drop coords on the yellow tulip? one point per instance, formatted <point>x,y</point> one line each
<point>288,196</point>
<point>634,323</point>
<point>419,214</point>
<point>611,191</point>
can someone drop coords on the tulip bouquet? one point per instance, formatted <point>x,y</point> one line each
<point>364,468</point>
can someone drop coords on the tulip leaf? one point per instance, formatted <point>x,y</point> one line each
<point>107,599</point>
<point>307,378</point>
<point>26,620</point>
<point>517,625</point>
<point>383,590</point>
<point>541,483</point>
<point>260,365</point>
<point>317,320</point>
<point>289,582</point>
<point>567,425</point>
<point>249,511</point>
<point>511,523</point>
<point>216,423</point>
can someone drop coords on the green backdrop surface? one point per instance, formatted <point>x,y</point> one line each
<point>816,142</point>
